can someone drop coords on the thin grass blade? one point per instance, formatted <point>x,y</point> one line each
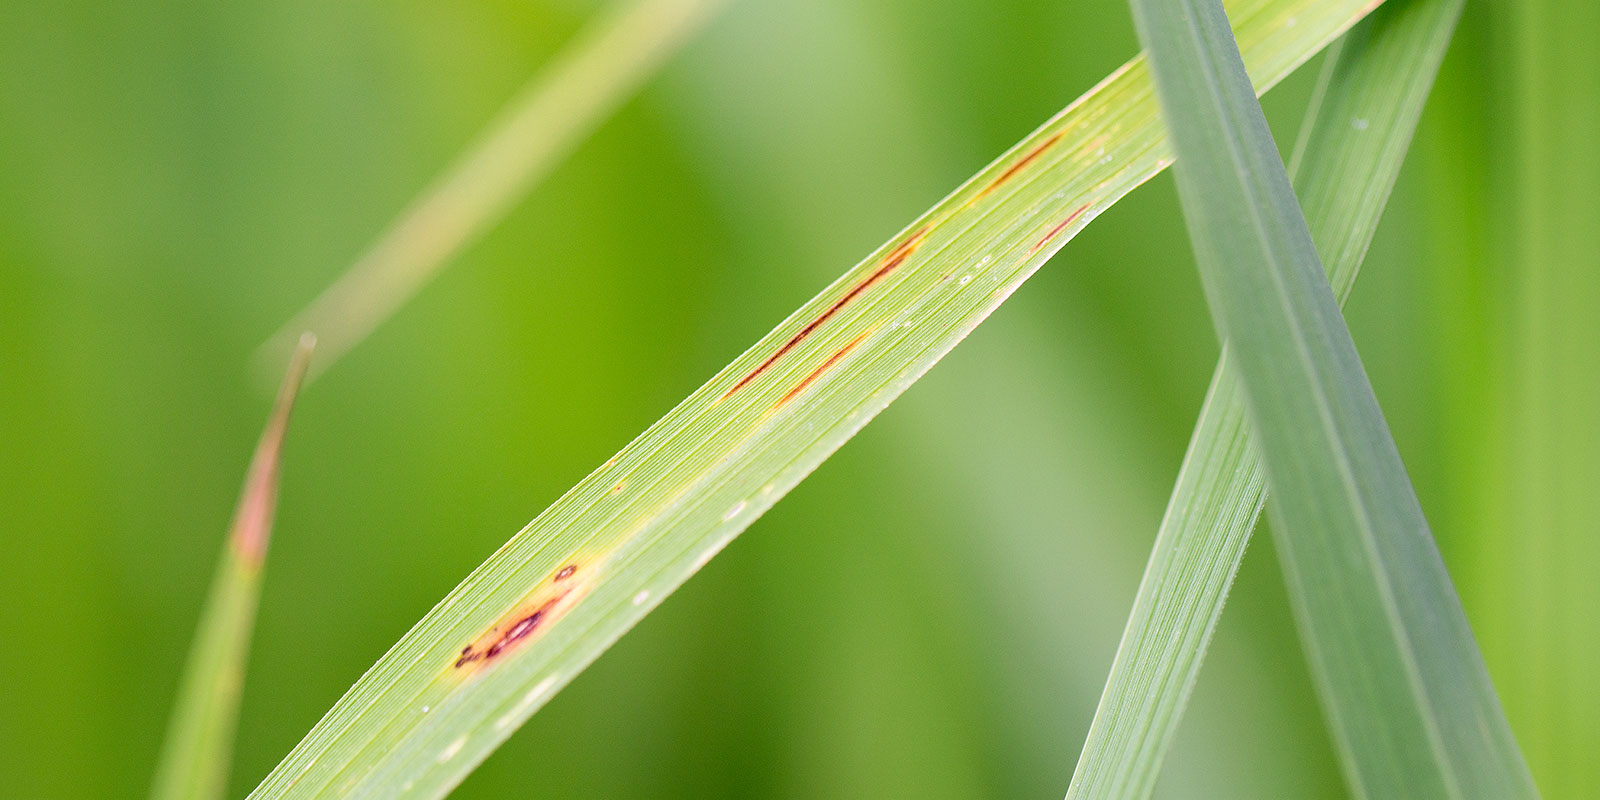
<point>546,120</point>
<point>599,559</point>
<point>199,745</point>
<point>1352,141</point>
<point>1409,703</point>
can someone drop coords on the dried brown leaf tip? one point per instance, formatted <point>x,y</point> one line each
<point>252,519</point>
<point>544,605</point>
<point>890,263</point>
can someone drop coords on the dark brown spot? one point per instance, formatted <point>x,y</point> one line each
<point>566,572</point>
<point>522,628</point>
<point>824,367</point>
<point>518,631</point>
<point>890,262</point>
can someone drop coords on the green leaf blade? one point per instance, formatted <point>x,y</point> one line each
<point>416,724</point>
<point>1409,702</point>
<point>1352,142</point>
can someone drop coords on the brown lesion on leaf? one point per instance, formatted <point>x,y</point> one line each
<point>1021,164</point>
<point>890,263</point>
<point>544,605</point>
<point>838,355</point>
<point>1059,227</point>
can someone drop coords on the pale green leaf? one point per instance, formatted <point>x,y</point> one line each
<point>614,546</point>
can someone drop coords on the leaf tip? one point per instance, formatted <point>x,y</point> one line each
<point>252,520</point>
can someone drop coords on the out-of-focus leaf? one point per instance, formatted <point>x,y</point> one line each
<point>552,114</point>
<point>199,745</point>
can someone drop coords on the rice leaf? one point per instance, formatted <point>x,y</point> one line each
<point>199,745</point>
<point>563,589</point>
<point>1352,141</point>
<point>1408,701</point>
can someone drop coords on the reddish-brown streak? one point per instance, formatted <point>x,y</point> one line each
<point>890,262</point>
<point>565,573</point>
<point>824,367</point>
<point>1012,171</point>
<point>1060,226</point>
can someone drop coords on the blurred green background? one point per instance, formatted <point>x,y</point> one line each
<point>934,612</point>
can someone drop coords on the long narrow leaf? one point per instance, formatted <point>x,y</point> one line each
<point>588,568</point>
<point>199,745</point>
<point>1409,703</point>
<point>552,114</point>
<point>1353,139</point>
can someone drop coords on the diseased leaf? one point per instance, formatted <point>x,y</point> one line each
<point>562,590</point>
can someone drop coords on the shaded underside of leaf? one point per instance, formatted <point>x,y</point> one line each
<point>567,586</point>
<point>1409,703</point>
<point>198,749</point>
